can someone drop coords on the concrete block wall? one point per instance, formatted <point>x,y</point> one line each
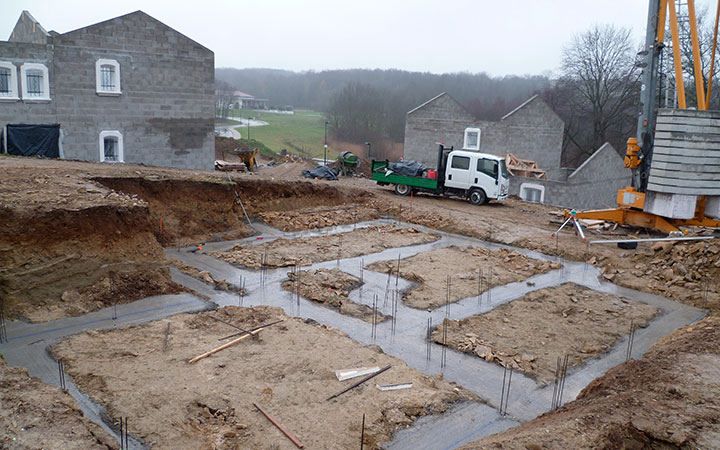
<point>166,109</point>
<point>593,185</point>
<point>442,119</point>
<point>532,131</point>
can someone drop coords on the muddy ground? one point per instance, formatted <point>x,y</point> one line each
<point>331,287</point>
<point>37,415</point>
<point>669,399</point>
<point>530,333</point>
<point>306,251</point>
<point>289,369</point>
<point>472,270</point>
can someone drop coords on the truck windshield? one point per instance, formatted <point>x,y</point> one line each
<point>503,169</point>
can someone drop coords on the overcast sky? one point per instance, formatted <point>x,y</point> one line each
<point>507,37</point>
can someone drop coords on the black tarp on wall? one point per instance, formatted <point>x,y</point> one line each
<point>33,140</point>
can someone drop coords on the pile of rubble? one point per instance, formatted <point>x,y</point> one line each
<point>205,276</point>
<point>473,344</point>
<point>691,268</point>
<point>331,287</point>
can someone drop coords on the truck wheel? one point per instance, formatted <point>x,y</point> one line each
<point>477,197</point>
<point>402,189</point>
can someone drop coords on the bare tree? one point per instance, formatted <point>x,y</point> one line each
<point>600,76</point>
<point>223,98</point>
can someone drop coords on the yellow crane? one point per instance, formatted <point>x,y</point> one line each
<point>638,205</point>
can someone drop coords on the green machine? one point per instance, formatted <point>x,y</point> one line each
<point>347,163</point>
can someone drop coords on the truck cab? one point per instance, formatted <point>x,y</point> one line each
<point>479,176</point>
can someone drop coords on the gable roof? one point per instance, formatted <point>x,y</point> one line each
<point>522,105</point>
<point>595,153</point>
<point>428,102</point>
<point>141,14</point>
<point>36,27</point>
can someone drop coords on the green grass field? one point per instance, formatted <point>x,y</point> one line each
<point>301,133</point>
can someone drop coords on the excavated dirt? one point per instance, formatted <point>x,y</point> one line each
<point>288,369</point>
<point>331,287</point>
<point>318,217</point>
<point>530,333</point>
<point>471,271</point>
<point>204,275</point>
<point>192,211</point>
<point>307,251</point>
<point>68,261</point>
<point>686,271</point>
<point>36,415</point>
<point>669,399</point>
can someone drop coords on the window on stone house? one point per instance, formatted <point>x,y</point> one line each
<point>8,81</point>
<point>111,146</point>
<point>472,139</point>
<point>35,82</point>
<point>107,75</point>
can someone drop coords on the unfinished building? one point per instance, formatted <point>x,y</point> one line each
<point>130,89</point>
<point>531,131</point>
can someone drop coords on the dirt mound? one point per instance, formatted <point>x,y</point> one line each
<point>689,272</point>
<point>471,270</point>
<point>289,369</point>
<point>331,287</point>
<point>669,399</point>
<point>307,251</point>
<point>204,275</point>
<point>576,322</point>
<point>318,217</point>
<point>38,415</point>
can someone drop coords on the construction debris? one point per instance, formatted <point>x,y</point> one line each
<point>524,167</point>
<point>331,287</point>
<point>280,427</point>
<point>367,378</point>
<point>347,374</point>
<point>393,387</point>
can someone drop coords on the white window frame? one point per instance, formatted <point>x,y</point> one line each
<point>465,141</point>
<point>13,82</point>
<point>525,186</point>
<point>46,82</point>
<point>101,145</point>
<point>98,77</point>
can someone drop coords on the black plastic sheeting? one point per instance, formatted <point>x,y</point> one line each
<point>33,140</point>
<point>328,173</point>
<point>407,168</point>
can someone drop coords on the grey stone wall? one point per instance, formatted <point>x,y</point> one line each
<point>593,185</point>
<point>28,30</point>
<point>442,119</point>
<point>532,131</point>
<point>166,109</point>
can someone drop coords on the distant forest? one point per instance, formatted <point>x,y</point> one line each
<point>386,95</point>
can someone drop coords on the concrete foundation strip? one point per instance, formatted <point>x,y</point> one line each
<point>280,427</point>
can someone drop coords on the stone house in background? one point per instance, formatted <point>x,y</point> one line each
<point>531,131</point>
<point>130,89</point>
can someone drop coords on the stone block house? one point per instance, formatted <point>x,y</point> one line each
<point>531,131</point>
<point>130,89</point>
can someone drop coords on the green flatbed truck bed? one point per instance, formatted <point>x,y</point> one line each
<point>379,174</point>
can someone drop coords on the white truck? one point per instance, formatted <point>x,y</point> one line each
<point>479,177</point>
